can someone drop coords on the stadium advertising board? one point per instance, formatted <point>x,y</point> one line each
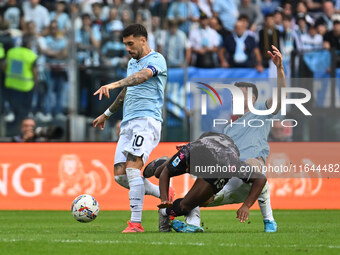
<point>48,176</point>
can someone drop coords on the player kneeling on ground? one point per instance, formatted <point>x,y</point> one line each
<point>211,149</point>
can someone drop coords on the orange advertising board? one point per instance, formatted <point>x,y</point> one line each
<point>48,176</point>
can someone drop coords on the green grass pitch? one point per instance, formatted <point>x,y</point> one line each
<point>56,232</point>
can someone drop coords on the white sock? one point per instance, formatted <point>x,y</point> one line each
<point>122,180</point>
<point>136,193</point>
<point>194,217</point>
<point>150,188</point>
<point>264,203</point>
<point>163,211</point>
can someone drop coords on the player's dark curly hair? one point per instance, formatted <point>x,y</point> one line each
<point>248,85</point>
<point>135,30</point>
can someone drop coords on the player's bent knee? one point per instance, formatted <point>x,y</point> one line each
<point>133,161</point>
<point>119,168</point>
<point>122,180</point>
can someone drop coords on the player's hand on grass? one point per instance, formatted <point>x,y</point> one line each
<point>243,213</point>
<point>276,57</point>
<point>165,204</point>
<point>100,121</point>
<point>104,90</point>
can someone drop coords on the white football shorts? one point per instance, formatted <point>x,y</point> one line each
<point>138,137</point>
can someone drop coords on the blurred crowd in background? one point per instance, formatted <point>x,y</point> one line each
<point>200,33</point>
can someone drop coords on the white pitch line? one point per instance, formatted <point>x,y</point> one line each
<point>4,240</point>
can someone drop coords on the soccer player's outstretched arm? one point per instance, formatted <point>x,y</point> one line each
<point>116,105</point>
<point>132,80</point>
<point>258,180</point>
<point>281,79</point>
<point>164,181</point>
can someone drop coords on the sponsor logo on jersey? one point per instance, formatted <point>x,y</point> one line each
<point>176,161</point>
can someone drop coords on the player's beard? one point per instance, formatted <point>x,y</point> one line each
<point>137,55</point>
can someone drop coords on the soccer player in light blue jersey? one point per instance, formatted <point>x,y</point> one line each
<point>252,143</point>
<point>142,100</point>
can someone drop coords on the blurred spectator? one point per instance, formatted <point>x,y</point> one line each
<point>112,21</point>
<point>278,20</point>
<point>37,43</point>
<point>56,57</point>
<point>289,42</point>
<point>184,12</point>
<point>14,15</point>
<point>143,16</point>
<point>301,26</point>
<point>126,18</point>
<point>26,131</point>
<point>88,41</point>
<point>204,42</point>
<point>314,59</point>
<point>242,49</point>
<point>86,6</point>
<point>301,8</point>
<point>97,21</point>
<point>124,9</point>
<point>74,11</point>
<point>327,16</point>
<point>321,29</point>
<point>227,11</point>
<point>160,9</point>
<point>38,14</point>
<point>332,38</point>
<point>278,133</point>
<point>174,47</point>
<point>216,24</point>
<point>269,36</point>
<point>6,40</point>
<point>20,78</point>
<point>287,8</point>
<point>312,40</point>
<point>253,12</point>
<point>60,15</point>
<point>113,50</point>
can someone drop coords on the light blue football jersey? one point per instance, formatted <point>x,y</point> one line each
<point>252,142</point>
<point>146,99</point>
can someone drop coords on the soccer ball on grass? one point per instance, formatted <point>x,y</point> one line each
<point>85,208</point>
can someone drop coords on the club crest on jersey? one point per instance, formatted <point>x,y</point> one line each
<point>176,161</point>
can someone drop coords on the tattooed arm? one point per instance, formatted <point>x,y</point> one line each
<point>116,105</point>
<point>132,80</point>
